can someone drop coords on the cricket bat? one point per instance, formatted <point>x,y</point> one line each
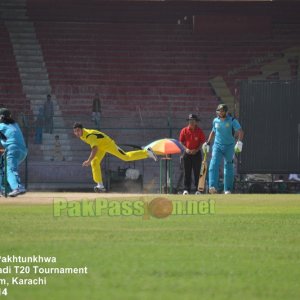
<point>202,177</point>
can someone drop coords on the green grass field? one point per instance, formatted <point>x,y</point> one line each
<point>248,249</point>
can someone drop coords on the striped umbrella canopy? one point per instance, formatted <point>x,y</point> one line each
<point>166,146</point>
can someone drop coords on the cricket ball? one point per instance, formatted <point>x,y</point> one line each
<point>160,207</point>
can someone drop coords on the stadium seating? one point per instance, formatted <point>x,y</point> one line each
<point>11,92</point>
<point>154,67</point>
<point>157,67</point>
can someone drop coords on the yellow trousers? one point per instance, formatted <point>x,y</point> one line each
<point>113,149</point>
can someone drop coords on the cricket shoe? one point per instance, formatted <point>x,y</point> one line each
<point>185,192</point>
<point>151,154</point>
<point>198,193</point>
<point>16,192</point>
<point>99,189</point>
<point>227,192</point>
<point>213,190</point>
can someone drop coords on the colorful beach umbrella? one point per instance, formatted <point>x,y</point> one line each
<point>166,146</point>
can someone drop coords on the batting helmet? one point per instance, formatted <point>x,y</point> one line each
<point>222,107</point>
<point>5,112</point>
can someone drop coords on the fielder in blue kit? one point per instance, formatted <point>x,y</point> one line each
<point>13,142</point>
<point>223,131</point>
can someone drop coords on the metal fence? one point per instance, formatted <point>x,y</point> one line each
<point>129,133</point>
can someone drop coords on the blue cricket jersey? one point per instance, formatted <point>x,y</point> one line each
<point>14,136</point>
<point>223,130</point>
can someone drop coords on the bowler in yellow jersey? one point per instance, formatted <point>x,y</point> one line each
<point>101,144</point>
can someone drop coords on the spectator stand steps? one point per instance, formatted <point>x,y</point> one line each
<point>33,72</point>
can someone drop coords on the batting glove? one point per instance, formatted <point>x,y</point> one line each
<point>238,147</point>
<point>205,147</point>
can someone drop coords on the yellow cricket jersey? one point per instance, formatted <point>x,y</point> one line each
<point>95,137</point>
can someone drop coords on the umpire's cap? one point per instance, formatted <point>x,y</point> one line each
<point>222,107</point>
<point>5,112</point>
<point>192,117</point>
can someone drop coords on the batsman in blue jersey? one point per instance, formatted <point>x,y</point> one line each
<point>13,142</point>
<point>224,130</point>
